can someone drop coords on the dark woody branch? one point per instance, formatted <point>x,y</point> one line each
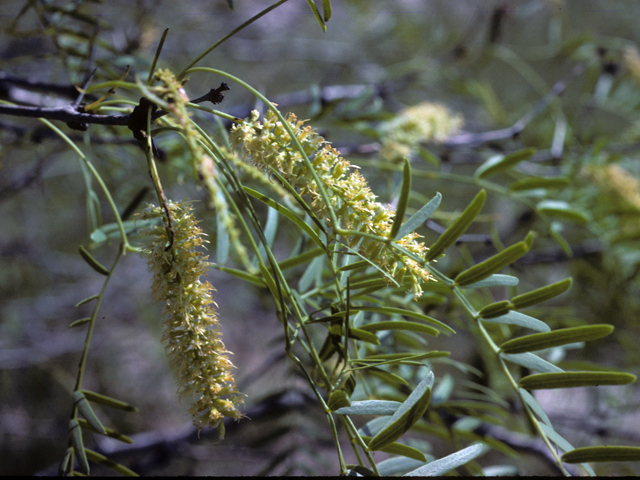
<point>75,114</point>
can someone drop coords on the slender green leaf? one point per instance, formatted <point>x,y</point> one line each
<point>65,465</point>
<point>96,265</point>
<point>300,259</point>
<point>396,465</point>
<point>555,232</point>
<point>400,325</point>
<point>316,14</point>
<point>520,320</point>
<point>531,361</point>
<point>108,401</point>
<point>400,449</point>
<point>419,217</point>
<point>556,438</point>
<point>287,213</point>
<point>241,274</point>
<point>88,299</point>
<point>83,406</point>
<point>403,201</point>
<point>326,9</point>
<point>372,427</point>
<point>411,410</point>
<point>543,381</point>
<point>370,407</point>
<point>79,322</point>
<point>500,163</point>
<point>533,404</point>
<point>405,312</point>
<point>450,462</point>
<point>357,333</point>
<point>555,338</point>
<point>458,227</point>
<point>541,294</point>
<point>105,462</point>
<point>491,265</point>
<point>495,280</point>
<point>78,445</point>
<point>310,274</point>
<point>398,358</point>
<point>531,183</point>
<point>388,377</point>
<point>222,241</point>
<point>338,400</point>
<point>110,432</point>
<point>268,280</point>
<point>602,454</point>
<point>561,210</point>
<point>496,309</point>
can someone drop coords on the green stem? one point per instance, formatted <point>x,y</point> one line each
<point>184,71</point>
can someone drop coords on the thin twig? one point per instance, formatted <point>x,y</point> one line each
<point>514,130</point>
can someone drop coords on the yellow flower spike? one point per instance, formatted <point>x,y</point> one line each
<point>268,145</point>
<point>191,329</point>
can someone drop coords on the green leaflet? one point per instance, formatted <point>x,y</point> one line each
<point>520,320</point>
<point>316,14</point>
<point>395,465</point>
<point>491,265</point>
<point>78,445</point>
<point>370,407</point>
<point>403,201</point>
<point>86,300</point>
<point>300,259</point>
<point>541,294</point>
<point>542,381</point>
<point>495,280</point>
<point>79,322</point>
<point>531,361</point>
<point>535,406</point>
<point>326,9</point>
<point>287,213</point>
<point>104,461</point>
<point>96,265</point>
<point>496,309</point>
<point>247,277</point>
<point>83,406</point>
<point>222,241</point>
<point>411,410</point>
<point>444,465</point>
<point>555,338</point>
<point>356,333</point>
<point>65,464</point>
<point>500,163</point>
<point>419,217</point>
<point>602,454</point>
<point>561,210</point>
<point>458,227</point>
<point>110,432</point>
<point>108,401</point>
<point>338,400</point>
<point>402,311</point>
<point>400,325</point>
<point>388,377</point>
<point>400,449</point>
<point>538,182</point>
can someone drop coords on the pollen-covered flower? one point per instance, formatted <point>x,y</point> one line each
<point>425,122</point>
<point>268,144</point>
<point>191,328</point>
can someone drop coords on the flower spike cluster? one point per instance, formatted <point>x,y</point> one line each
<point>424,122</point>
<point>191,329</point>
<point>268,144</point>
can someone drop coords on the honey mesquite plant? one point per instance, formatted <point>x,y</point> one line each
<point>352,295</point>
